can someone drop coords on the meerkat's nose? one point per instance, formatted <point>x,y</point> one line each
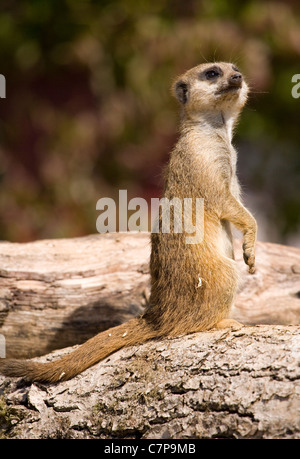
<point>235,79</point>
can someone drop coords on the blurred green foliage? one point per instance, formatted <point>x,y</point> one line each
<point>88,110</point>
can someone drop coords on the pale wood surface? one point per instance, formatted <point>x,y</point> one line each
<point>215,384</point>
<point>57,293</point>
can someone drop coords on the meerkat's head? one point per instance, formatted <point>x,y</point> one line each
<point>217,87</point>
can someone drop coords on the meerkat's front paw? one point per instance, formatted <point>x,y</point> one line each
<point>249,257</point>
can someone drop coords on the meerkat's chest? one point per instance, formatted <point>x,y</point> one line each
<point>234,183</point>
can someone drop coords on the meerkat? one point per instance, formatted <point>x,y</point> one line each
<point>193,286</point>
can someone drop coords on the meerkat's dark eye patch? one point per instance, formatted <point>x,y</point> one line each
<point>181,91</point>
<point>212,73</point>
<point>236,69</point>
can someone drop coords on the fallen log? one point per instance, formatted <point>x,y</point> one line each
<point>57,293</point>
<point>216,384</point>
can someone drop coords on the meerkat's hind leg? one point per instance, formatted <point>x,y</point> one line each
<point>228,323</point>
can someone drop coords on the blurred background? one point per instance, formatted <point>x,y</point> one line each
<point>88,109</point>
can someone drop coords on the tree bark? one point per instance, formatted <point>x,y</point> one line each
<point>216,384</point>
<point>57,293</point>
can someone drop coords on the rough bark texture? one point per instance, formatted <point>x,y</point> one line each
<point>241,384</point>
<point>57,293</point>
<point>237,384</point>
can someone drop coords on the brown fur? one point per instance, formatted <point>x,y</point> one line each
<point>202,164</point>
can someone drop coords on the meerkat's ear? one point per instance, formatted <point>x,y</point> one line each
<point>181,91</point>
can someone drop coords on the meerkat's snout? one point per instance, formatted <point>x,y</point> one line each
<point>236,80</point>
<point>232,84</point>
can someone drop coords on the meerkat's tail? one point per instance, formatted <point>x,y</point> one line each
<point>92,351</point>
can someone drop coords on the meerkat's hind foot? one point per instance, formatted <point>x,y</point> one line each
<point>228,323</point>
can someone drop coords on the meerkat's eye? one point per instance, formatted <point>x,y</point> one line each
<point>211,74</point>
